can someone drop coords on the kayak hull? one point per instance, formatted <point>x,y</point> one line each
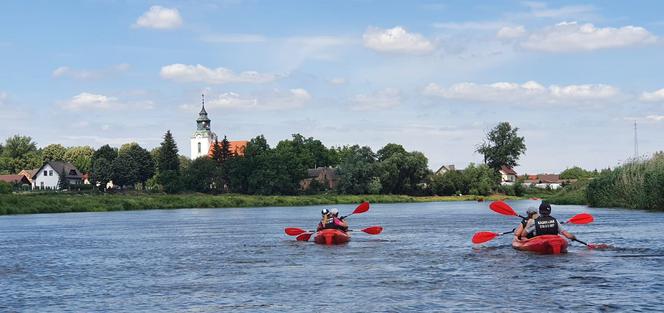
<point>545,244</point>
<point>331,237</point>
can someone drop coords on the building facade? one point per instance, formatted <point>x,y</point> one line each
<point>203,137</point>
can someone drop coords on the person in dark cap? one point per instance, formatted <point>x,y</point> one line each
<point>545,224</point>
<point>519,231</point>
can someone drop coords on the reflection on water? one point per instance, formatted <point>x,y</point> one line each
<point>239,260</point>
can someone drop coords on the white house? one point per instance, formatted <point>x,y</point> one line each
<point>48,176</point>
<point>507,175</point>
<point>444,169</point>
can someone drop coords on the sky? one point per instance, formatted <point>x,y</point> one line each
<point>432,76</point>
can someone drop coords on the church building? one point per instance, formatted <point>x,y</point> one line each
<point>202,141</point>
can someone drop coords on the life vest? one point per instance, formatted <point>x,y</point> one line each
<point>333,223</point>
<point>546,225</point>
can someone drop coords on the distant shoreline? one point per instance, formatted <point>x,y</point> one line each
<point>65,203</point>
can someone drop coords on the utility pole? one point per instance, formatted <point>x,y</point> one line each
<point>636,143</point>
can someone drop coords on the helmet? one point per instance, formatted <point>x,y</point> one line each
<point>335,212</point>
<point>545,208</point>
<point>324,212</point>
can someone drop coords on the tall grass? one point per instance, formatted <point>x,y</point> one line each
<point>636,185</point>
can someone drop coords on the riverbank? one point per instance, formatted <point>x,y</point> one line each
<point>63,203</point>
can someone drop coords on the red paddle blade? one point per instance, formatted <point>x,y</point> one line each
<point>293,231</point>
<point>303,237</point>
<point>373,230</point>
<point>582,218</point>
<point>363,207</point>
<point>502,208</point>
<point>483,236</point>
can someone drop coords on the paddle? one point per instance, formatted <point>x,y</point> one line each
<point>372,230</point>
<point>504,209</point>
<point>581,218</point>
<point>363,207</point>
<point>592,245</point>
<point>484,236</point>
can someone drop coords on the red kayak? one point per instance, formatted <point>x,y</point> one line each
<point>545,244</point>
<point>331,237</point>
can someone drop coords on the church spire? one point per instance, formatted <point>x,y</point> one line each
<point>203,121</point>
<point>203,105</point>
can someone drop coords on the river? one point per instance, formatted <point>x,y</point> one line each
<point>240,260</point>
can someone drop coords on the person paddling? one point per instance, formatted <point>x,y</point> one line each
<point>545,224</point>
<point>330,220</point>
<point>519,232</point>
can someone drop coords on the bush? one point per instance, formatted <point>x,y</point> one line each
<point>5,187</point>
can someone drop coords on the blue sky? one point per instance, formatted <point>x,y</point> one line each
<point>432,76</point>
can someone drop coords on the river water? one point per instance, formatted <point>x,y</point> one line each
<point>239,260</point>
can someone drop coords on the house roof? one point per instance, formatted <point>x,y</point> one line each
<point>237,147</point>
<point>328,171</point>
<point>446,168</point>
<point>62,168</point>
<point>14,179</point>
<point>507,170</point>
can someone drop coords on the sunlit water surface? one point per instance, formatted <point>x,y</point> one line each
<point>239,260</point>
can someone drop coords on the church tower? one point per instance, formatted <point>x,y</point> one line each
<point>203,137</point>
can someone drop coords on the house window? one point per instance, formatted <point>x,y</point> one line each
<point>45,173</point>
<point>199,147</point>
<point>50,173</point>
<point>42,185</point>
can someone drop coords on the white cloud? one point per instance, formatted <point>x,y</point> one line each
<point>159,18</point>
<point>220,75</point>
<point>275,100</point>
<point>396,40</point>
<point>655,96</point>
<point>3,97</point>
<point>571,36</point>
<point>83,74</point>
<point>656,118</point>
<point>90,101</point>
<point>527,93</point>
<point>509,32</point>
<point>382,99</point>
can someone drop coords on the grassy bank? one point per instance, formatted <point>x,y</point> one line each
<point>635,185</point>
<point>62,202</point>
<point>573,194</point>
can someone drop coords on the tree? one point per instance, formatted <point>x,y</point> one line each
<point>168,165</point>
<point>502,146</point>
<point>81,157</point>
<point>105,152</point>
<point>168,155</point>
<point>102,172</point>
<point>357,170</point>
<point>575,173</point>
<point>217,151</point>
<point>401,172</point>
<point>18,153</point>
<point>18,146</point>
<point>142,161</point>
<point>203,175</point>
<point>389,150</point>
<point>124,171</point>
<point>53,152</point>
